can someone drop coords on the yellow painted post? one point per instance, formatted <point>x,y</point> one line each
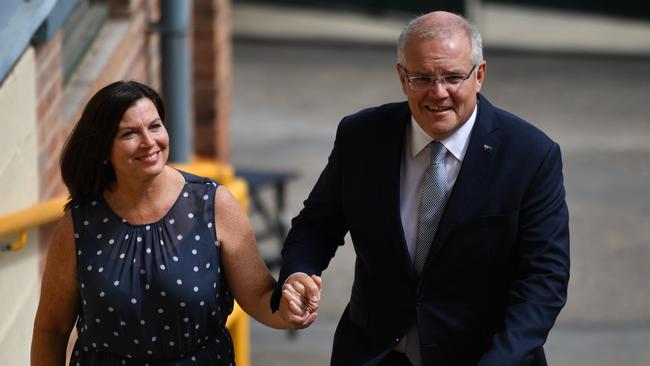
<point>238,326</point>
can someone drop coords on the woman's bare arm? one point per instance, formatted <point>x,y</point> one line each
<point>59,302</point>
<point>248,277</point>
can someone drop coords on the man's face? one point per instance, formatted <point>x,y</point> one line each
<point>440,109</point>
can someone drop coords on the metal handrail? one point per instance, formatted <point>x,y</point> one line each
<point>20,221</point>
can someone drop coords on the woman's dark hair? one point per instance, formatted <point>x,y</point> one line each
<point>84,168</point>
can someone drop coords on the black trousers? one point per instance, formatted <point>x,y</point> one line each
<point>394,358</point>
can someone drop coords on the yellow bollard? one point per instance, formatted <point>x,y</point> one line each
<point>238,326</point>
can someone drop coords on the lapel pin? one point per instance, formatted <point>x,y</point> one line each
<point>487,148</point>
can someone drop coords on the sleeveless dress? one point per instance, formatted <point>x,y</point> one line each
<point>152,294</point>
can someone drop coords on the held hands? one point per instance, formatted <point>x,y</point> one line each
<point>300,300</point>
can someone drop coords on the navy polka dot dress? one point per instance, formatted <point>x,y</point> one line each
<point>152,294</point>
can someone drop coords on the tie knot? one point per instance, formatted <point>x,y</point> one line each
<point>438,152</point>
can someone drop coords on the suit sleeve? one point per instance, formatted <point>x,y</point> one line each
<point>539,287</point>
<point>319,229</point>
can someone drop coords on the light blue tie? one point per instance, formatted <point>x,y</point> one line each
<point>432,203</point>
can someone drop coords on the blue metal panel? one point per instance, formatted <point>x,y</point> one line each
<point>7,10</point>
<point>22,21</point>
<point>54,21</point>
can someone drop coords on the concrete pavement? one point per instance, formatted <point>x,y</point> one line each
<point>502,26</point>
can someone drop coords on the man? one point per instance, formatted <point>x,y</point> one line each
<point>457,214</point>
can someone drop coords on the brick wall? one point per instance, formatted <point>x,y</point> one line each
<point>51,133</point>
<point>135,56</point>
<point>131,59</point>
<point>212,77</point>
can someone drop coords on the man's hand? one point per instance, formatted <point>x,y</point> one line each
<point>300,299</point>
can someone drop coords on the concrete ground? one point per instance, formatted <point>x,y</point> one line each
<point>291,92</point>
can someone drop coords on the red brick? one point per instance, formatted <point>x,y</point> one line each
<point>49,102</point>
<point>44,52</point>
<point>124,8</point>
<point>49,152</point>
<point>211,75</point>
<point>205,4</point>
<point>204,53</point>
<point>48,183</point>
<point>205,117</point>
<point>47,127</point>
<point>49,75</point>
<point>204,140</point>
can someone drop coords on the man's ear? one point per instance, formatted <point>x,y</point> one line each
<point>480,75</point>
<point>402,78</point>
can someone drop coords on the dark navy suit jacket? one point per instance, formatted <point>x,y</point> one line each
<point>497,272</point>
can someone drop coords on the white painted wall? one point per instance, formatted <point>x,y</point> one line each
<point>19,271</point>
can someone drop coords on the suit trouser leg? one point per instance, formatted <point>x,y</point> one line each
<point>394,358</point>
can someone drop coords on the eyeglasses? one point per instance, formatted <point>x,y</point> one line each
<point>451,82</point>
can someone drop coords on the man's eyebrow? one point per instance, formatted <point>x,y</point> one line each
<point>454,70</point>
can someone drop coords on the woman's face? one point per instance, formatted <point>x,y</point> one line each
<point>141,145</point>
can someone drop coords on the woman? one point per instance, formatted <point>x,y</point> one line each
<point>147,258</point>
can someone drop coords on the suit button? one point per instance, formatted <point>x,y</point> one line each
<point>419,303</point>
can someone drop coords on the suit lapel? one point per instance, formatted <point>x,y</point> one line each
<point>396,132</point>
<point>475,174</point>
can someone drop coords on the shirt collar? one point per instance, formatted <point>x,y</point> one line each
<point>456,143</point>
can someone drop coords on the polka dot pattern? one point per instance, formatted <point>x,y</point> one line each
<point>148,295</point>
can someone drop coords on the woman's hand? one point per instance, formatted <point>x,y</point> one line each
<point>300,299</point>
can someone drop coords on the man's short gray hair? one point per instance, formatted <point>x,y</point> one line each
<point>424,27</point>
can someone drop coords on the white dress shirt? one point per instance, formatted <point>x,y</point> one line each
<point>415,160</point>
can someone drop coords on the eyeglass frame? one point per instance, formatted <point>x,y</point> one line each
<point>433,80</point>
